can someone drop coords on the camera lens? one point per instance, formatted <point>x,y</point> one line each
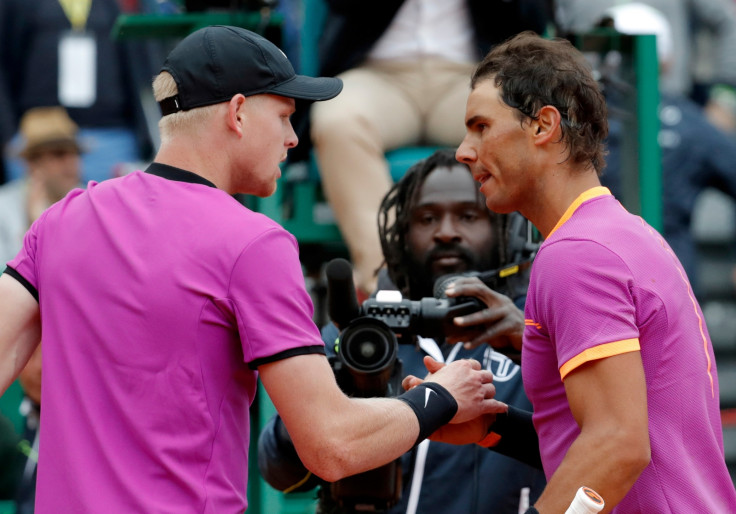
<point>368,345</point>
<point>366,348</point>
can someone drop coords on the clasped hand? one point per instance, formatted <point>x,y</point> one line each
<point>473,390</point>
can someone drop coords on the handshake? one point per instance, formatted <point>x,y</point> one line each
<point>473,391</point>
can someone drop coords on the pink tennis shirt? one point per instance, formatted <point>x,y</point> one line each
<point>159,296</point>
<point>606,283</point>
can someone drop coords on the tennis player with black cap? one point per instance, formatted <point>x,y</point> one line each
<point>162,299</point>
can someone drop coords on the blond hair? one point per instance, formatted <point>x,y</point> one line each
<point>164,86</point>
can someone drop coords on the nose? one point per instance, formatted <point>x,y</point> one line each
<point>465,152</point>
<point>291,138</point>
<point>447,230</point>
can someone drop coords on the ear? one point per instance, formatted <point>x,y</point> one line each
<point>236,113</point>
<point>546,127</point>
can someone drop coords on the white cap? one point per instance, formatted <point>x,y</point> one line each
<point>638,18</point>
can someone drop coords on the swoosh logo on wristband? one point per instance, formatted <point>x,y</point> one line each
<point>427,392</point>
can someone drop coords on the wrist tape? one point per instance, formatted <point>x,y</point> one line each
<point>433,405</point>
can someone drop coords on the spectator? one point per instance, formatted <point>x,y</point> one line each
<point>405,65</point>
<point>61,52</point>
<point>434,223</point>
<point>695,153</point>
<point>51,152</point>
<point>686,19</point>
<point>162,301</point>
<point>614,338</point>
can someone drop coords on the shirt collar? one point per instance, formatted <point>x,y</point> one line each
<point>591,193</point>
<point>178,174</point>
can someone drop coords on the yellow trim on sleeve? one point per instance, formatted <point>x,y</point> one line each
<point>532,323</point>
<point>600,352</point>
<point>593,192</point>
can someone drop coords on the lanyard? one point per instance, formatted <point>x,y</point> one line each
<point>77,11</point>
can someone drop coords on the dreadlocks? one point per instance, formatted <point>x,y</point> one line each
<point>394,218</point>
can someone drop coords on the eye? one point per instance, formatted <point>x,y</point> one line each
<point>469,216</point>
<point>427,218</point>
<point>424,218</point>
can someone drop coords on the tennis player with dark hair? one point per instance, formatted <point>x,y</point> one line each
<point>616,358</point>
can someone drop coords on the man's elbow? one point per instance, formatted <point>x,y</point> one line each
<point>330,459</point>
<point>643,457</point>
<point>331,471</point>
<point>634,454</point>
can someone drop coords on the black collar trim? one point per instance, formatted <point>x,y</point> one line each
<point>173,173</point>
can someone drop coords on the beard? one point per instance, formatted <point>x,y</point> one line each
<point>444,259</point>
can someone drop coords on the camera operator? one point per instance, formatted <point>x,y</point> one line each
<point>434,222</point>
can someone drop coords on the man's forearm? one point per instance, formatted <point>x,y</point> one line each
<point>608,465</point>
<point>369,433</point>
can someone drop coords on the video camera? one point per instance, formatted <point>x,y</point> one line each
<point>369,333</point>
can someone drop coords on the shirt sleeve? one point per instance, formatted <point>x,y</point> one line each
<point>585,303</point>
<point>25,262</point>
<point>273,309</point>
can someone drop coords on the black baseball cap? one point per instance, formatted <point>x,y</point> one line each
<point>213,64</point>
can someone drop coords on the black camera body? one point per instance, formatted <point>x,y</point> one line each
<point>367,347</point>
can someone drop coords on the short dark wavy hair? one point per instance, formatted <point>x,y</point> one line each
<point>532,72</point>
<point>394,217</point>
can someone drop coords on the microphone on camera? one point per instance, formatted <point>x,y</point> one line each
<point>342,302</point>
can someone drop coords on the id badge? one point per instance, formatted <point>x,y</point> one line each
<point>77,69</point>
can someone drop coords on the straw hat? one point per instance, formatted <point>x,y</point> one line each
<point>47,128</point>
